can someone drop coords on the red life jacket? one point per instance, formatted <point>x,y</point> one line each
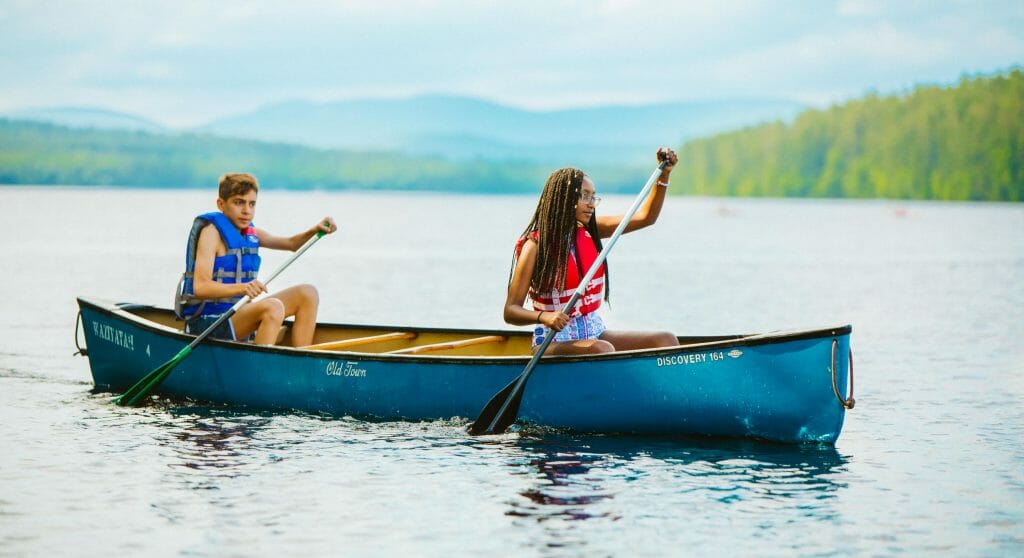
<point>591,300</point>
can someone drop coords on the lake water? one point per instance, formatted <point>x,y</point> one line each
<point>931,460</point>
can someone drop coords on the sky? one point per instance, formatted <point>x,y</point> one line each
<point>185,63</point>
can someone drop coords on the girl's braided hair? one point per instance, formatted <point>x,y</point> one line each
<point>555,222</point>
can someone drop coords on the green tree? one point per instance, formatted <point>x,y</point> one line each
<point>964,142</point>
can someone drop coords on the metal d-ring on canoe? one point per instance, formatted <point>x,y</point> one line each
<point>849,402</point>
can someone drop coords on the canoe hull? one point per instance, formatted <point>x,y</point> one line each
<point>777,388</point>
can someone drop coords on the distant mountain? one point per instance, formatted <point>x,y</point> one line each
<point>468,128</point>
<point>462,128</point>
<point>80,117</point>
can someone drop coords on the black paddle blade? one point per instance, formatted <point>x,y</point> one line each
<point>508,418</point>
<point>483,422</point>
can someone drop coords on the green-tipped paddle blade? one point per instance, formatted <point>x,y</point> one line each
<point>141,389</point>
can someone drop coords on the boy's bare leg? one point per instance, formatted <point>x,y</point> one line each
<point>266,316</point>
<point>302,302</point>
<point>263,317</point>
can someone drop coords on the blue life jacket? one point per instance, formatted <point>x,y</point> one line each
<point>240,264</point>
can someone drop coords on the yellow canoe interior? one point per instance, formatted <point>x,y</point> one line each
<point>407,341</point>
<point>367,339</point>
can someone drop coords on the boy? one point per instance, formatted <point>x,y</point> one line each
<point>221,265</point>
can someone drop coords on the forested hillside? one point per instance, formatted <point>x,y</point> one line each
<point>38,153</point>
<point>964,142</point>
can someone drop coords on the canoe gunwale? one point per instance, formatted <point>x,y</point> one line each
<point>122,311</point>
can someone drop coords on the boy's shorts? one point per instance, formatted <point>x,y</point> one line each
<point>587,326</point>
<point>198,325</point>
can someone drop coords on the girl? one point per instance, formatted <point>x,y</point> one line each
<point>557,249</point>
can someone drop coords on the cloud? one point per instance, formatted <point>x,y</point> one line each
<point>176,39</point>
<point>859,8</point>
<point>184,63</point>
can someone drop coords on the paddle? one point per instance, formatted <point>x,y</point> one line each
<point>501,411</point>
<point>141,389</point>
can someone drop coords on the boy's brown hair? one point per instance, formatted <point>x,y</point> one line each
<point>237,184</point>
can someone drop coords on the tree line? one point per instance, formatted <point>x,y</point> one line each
<point>964,142</point>
<point>47,154</point>
<point>39,153</point>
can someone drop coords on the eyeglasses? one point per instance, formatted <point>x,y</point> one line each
<point>586,197</point>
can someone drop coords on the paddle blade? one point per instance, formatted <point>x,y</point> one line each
<point>133,395</point>
<point>508,418</point>
<point>509,394</point>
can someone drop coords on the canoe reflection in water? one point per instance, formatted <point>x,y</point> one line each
<point>605,477</point>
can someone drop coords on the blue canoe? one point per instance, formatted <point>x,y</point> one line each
<point>782,386</point>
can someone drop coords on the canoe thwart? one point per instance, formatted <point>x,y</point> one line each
<point>356,341</point>
<point>449,345</point>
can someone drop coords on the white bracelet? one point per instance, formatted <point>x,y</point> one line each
<point>665,184</point>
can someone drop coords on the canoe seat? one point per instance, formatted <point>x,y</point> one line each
<point>356,341</point>
<point>449,345</point>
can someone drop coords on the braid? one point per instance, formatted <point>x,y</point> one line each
<point>555,223</point>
